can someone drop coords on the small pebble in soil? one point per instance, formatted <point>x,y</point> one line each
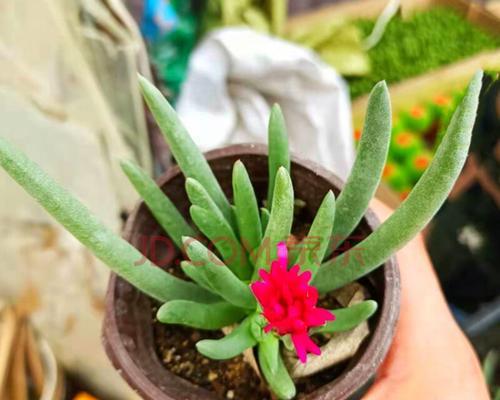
<point>212,376</point>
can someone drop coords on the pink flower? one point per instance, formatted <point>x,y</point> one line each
<point>289,303</point>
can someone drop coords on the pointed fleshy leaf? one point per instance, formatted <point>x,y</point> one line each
<point>221,279</point>
<point>269,351</point>
<point>314,245</point>
<point>349,317</point>
<point>197,275</point>
<point>264,218</point>
<point>120,256</point>
<point>199,196</point>
<point>279,155</point>
<point>164,211</point>
<point>280,221</point>
<point>366,172</point>
<point>218,231</point>
<point>231,345</point>
<point>278,378</point>
<point>287,342</point>
<point>419,207</point>
<point>247,209</point>
<point>189,158</point>
<point>199,315</point>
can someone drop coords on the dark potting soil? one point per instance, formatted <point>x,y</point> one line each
<point>229,379</point>
<point>234,378</point>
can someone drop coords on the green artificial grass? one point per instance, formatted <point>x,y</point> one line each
<point>428,40</point>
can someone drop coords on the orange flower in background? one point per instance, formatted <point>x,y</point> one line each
<point>84,396</point>
<point>417,112</point>
<point>421,162</point>
<point>404,139</point>
<point>388,170</point>
<point>442,100</point>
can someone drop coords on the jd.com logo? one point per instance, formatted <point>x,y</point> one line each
<point>161,250</point>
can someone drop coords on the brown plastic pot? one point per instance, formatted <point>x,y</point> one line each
<point>128,333</point>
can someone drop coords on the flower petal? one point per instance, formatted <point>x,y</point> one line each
<point>264,275</point>
<point>261,292</point>
<point>282,254</point>
<point>300,344</point>
<point>289,303</point>
<point>303,345</point>
<point>318,316</point>
<point>294,270</point>
<point>313,347</point>
<point>311,296</point>
<point>305,277</point>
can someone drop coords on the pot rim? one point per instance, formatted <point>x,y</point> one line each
<point>348,382</point>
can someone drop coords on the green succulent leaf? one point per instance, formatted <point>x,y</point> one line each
<point>279,13</point>
<point>314,246</point>
<point>247,209</point>
<point>220,278</point>
<point>199,196</point>
<point>264,218</point>
<point>279,155</point>
<point>120,256</point>
<point>490,364</point>
<point>277,377</point>
<point>199,315</point>
<point>287,342</point>
<point>191,161</point>
<point>280,220</point>
<point>349,317</point>
<point>231,345</point>
<point>269,351</point>
<point>257,326</point>
<point>218,231</point>
<point>366,172</point>
<point>164,211</point>
<point>198,276</point>
<point>256,19</point>
<point>419,207</point>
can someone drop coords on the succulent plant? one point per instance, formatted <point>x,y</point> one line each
<point>251,282</point>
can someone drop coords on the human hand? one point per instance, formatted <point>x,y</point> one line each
<point>430,357</point>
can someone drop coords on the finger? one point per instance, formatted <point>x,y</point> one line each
<point>430,356</point>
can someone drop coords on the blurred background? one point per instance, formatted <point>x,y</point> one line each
<point>69,98</point>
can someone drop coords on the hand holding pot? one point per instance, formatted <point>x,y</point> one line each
<point>430,357</point>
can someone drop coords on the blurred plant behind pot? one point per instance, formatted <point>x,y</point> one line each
<point>226,291</point>
<point>170,48</point>
<point>491,371</point>
<point>425,41</point>
<point>338,41</point>
<point>416,135</point>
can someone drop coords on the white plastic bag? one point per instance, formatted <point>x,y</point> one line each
<point>234,77</point>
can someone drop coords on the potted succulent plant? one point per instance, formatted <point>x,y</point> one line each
<point>242,274</point>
